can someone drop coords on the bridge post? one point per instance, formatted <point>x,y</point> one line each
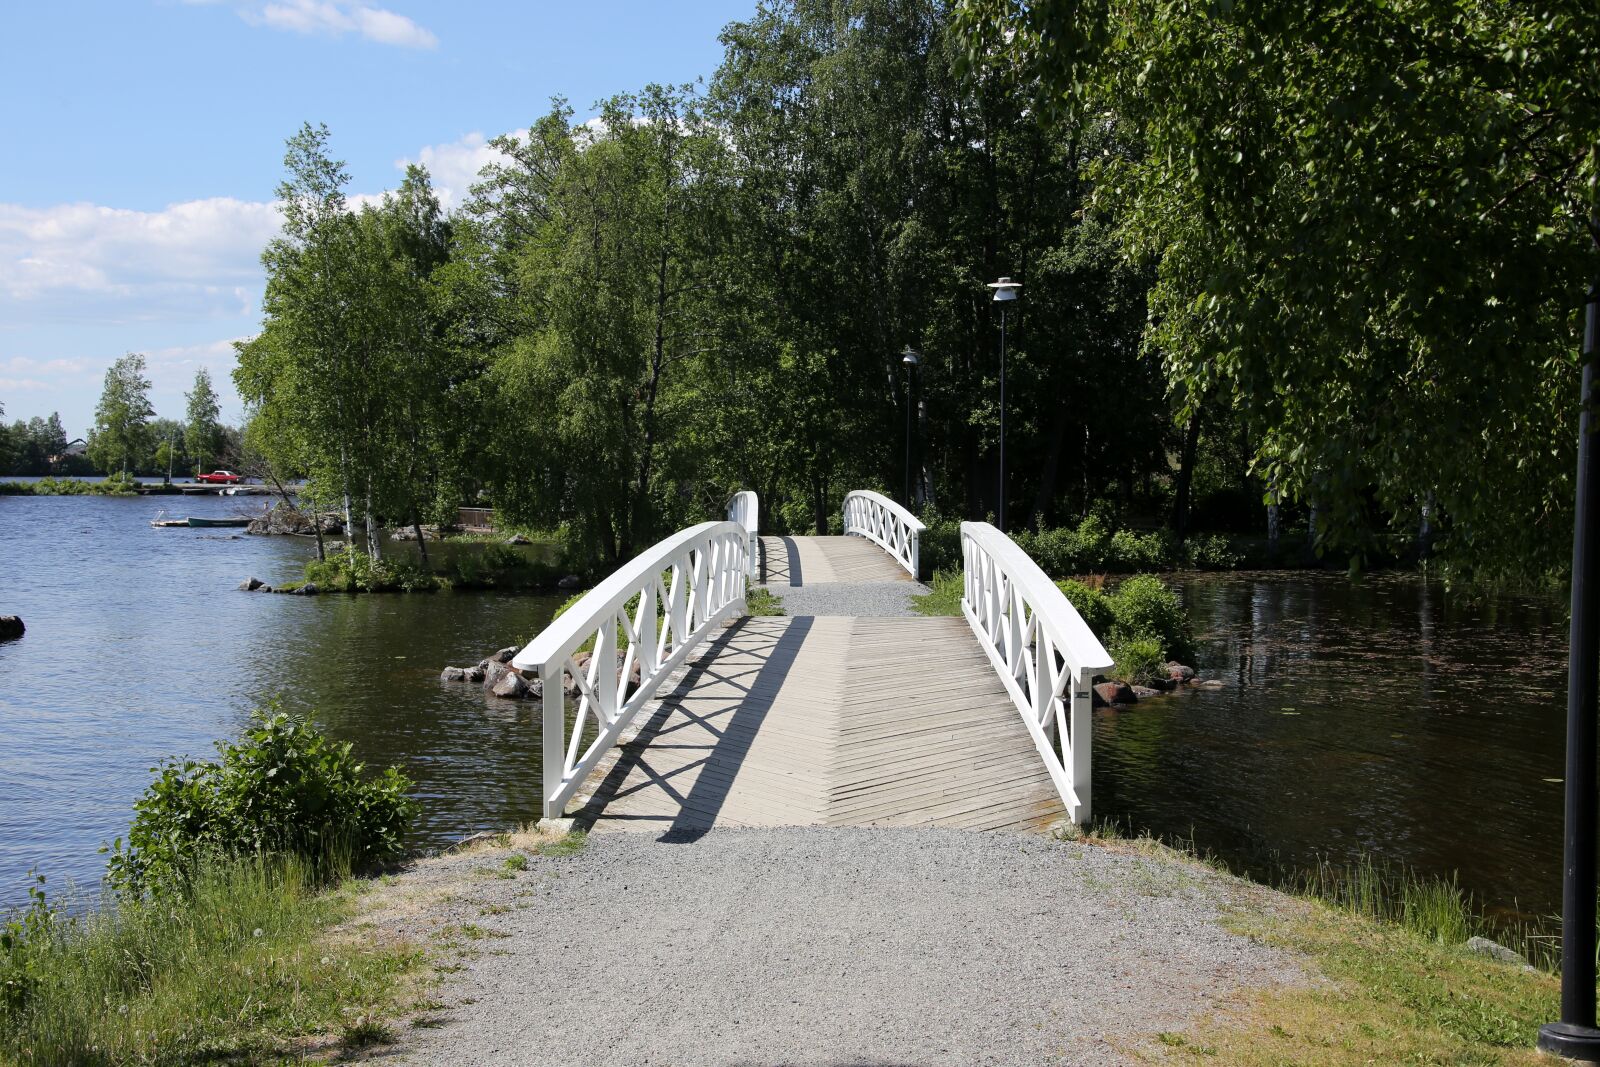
<point>1081,727</point>
<point>555,756</point>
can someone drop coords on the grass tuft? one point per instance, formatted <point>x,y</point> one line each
<point>569,845</point>
<point>944,595</point>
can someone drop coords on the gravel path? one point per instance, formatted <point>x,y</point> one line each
<point>819,946</point>
<point>848,598</point>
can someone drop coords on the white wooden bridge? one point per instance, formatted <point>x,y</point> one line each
<point>980,722</point>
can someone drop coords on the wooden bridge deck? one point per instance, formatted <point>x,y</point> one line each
<point>796,561</point>
<point>832,721</point>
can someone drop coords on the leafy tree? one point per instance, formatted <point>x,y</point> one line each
<point>1371,225</point>
<point>202,431</point>
<point>120,438</point>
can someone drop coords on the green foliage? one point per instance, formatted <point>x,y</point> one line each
<point>120,439</point>
<point>762,602</point>
<point>1139,661</point>
<point>1212,552</point>
<point>1373,254</point>
<point>944,594</point>
<point>1143,608</point>
<point>350,571</point>
<point>117,484</point>
<point>234,973</point>
<point>283,788</point>
<point>202,433</point>
<point>1092,605</point>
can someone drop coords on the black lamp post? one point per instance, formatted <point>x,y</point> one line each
<point>912,359</point>
<point>1575,1035</point>
<point>1005,291</point>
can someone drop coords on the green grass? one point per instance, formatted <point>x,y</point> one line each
<point>944,595</point>
<point>570,845</point>
<point>762,602</point>
<point>245,969</point>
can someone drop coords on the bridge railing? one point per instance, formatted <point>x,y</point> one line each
<point>745,509</point>
<point>893,528</point>
<point>650,614</point>
<point>1045,654</point>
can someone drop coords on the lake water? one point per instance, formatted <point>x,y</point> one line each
<point>1381,718</point>
<point>140,646</point>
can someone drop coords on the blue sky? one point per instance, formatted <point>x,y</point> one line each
<point>144,139</point>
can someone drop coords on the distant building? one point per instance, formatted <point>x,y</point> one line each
<point>75,448</point>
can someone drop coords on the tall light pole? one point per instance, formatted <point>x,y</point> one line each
<point>1005,291</point>
<point>911,358</point>
<point>1575,1035</point>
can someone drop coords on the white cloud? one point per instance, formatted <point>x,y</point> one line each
<point>455,165</point>
<point>335,18</point>
<point>90,263</point>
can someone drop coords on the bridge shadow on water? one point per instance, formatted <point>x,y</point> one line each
<point>689,755</point>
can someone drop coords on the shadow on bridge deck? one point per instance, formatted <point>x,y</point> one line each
<point>830,721</point>
<point>798,561</point>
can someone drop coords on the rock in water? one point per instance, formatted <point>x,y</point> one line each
<point>571,581</point>
<point>1144,692</point>
<point>504,655</point>
<point>250,585</point>
<point>475,675</point>
<point>452,674</point>
<point>1116,693</point>
<point>511,686</point>
<point>1178,672</point>
<point>11,628</point>
<point>493,674</point>
<point>518,539</point>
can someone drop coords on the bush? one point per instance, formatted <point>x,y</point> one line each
<point>1145,609</point>
<point>1093,605</point>
<point>1212,552</point>
<point>353,571</point>
<point>283,788</point>
<point>1139,661</point>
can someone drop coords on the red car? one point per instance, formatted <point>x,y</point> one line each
<point>218,478</point>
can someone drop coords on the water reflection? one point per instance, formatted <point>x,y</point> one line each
<point>1381,717</point>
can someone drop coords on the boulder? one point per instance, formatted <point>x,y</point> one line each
<point>518,539</point>
<point>1207,683</point>
<point>504,655</point>
<point>1145,692</point>
<point>11,628</point>
<point>511,686</point>
<point>483,664</point>
<point>493,674</point>
<point>475,675</point>
<point>535,689</point>
<point>309,589</point>
<point>1178,672</point>
<point>1494,950</point>
<point>452,674</point>
<point>581,660</point>
<point>250,585</point>
<point>571,581</point>
<point>1116,693</point>
<point>267,589</point>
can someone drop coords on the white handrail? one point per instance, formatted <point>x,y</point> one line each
<point>745,509</point>
<point>686,585</point>
<point>1046,655</point>
<point>880,520</point>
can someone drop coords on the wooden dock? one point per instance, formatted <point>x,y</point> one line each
<point>828,720</point>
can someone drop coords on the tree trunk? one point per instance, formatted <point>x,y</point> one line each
<point>422,545</point>
<point>1052,468</point>
<point>1180,503</point>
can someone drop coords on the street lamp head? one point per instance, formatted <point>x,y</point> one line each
<point>1005,289</point>
<point>911,357</point>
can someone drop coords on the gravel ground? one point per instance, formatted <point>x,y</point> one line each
<point>819,946</point>
<point>848,598</point>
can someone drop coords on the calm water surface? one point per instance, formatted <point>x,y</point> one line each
<point>140,646</point>
<point>1379,718</point>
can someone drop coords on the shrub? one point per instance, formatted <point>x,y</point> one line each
<point>1139,661</point>
<point>939,545</point>
<point>1212,552</point>
<point>1093,605</point>
<point>944,594</point>
<point>283,788</point>
<point>1145,609</point>
<point>352,571</point>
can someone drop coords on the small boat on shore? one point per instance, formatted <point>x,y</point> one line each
<point>161,520</point>
<point>195,520</point>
